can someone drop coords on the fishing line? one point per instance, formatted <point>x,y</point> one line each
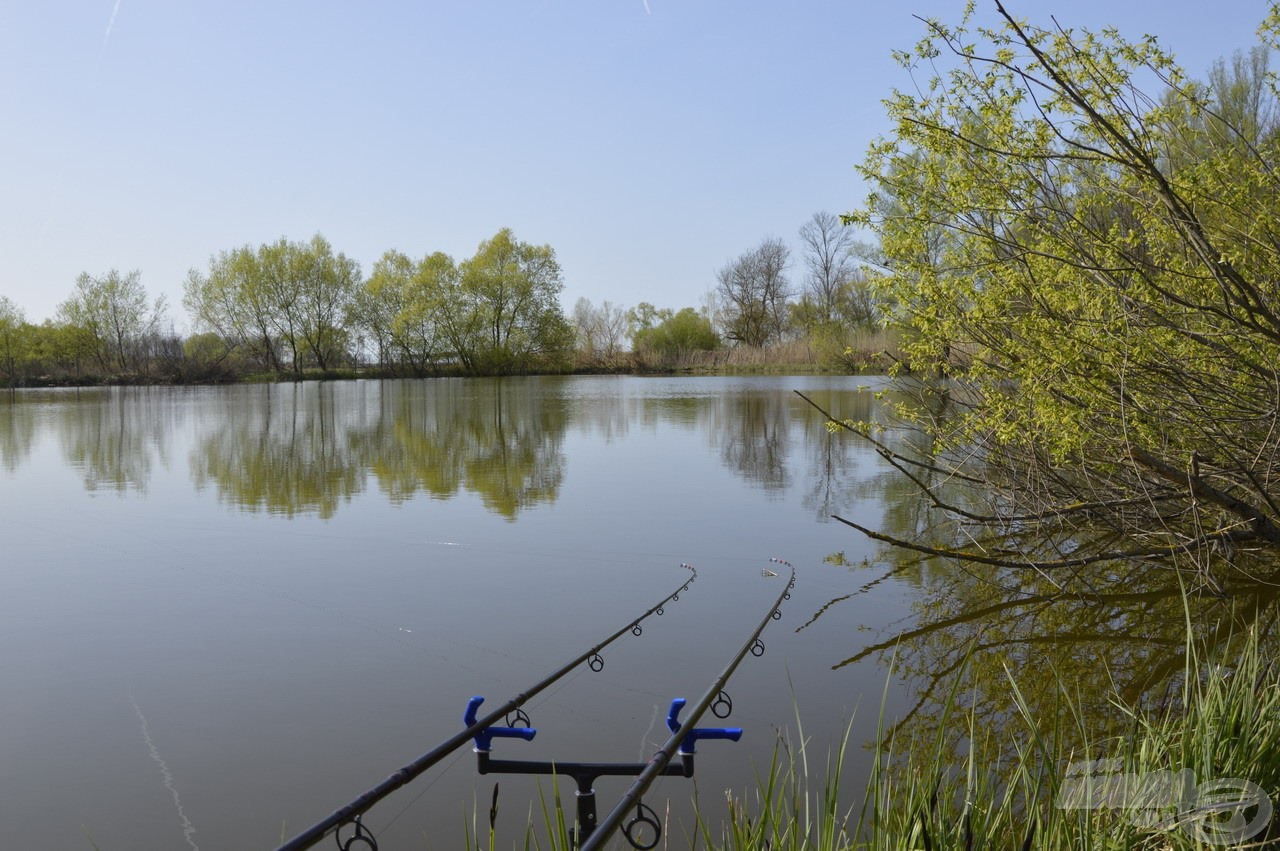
<point>426,789</point>
<point>592,555</point>
<point>232,577</point>
<point>236,579</point>
<point>203,565</point>
<point>653,722</point>
<point>624,557</point>
<point>217,572</point>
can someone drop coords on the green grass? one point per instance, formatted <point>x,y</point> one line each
<point>1225,729</point>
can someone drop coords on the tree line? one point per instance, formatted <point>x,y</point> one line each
<point>291,307</point>
<point>754,302</point>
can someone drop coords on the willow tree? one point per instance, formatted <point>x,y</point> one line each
<point>506,316</point>
<point>115,314</point>
<point>229,302</point>
<point>404,308</point>
<point>1087,242</point>
<point>286,300</point>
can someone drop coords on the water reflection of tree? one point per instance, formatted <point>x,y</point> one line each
<point>499,439</point>
<point>309,448</point>
<point>682,410</point>
<point>284,449</point>
<point>113,437</point>
<point>1086,637</point>
<point>753,433</point>
<point>1100,634</point>
<point>1122,637</point>
<point>837,467</point>
<point>609,415</point>
<point>846,472</point>
<point>17,431</point>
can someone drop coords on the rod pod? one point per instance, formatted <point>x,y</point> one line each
<point>349,813</point>
<point>586,773</point>
<point>684,737</point>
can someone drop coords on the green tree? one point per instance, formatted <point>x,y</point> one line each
<point>679,333</point>
<point>116,314</point>
<point>507,316</point>
<point>1107,288</point>
<point>277,288</point>
<point>206,356</point>
<point>428,324</point>
<point>384,295</point>
<point>287,301</point>
<point>402,306</point>
<point>14,342</point>
<point>231,301</point>
<point>59,347</point>
<point>328,282</point>
<point>643,317</point>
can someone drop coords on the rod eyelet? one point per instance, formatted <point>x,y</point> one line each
<point>644,818</point>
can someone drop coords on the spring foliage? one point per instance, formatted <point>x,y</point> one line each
<point>1086,242</point>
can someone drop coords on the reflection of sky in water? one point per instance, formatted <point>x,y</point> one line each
<point>292,642</point>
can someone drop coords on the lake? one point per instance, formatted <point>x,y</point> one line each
<point>229,610</point>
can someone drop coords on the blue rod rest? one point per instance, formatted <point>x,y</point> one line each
<point>689,744</point>
<point>484,738</point>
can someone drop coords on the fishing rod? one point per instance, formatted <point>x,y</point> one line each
<point>351,813</point>
<point>588,834</point>
<point>684,736</point>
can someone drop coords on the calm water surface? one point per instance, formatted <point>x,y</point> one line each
<point>227,611</point>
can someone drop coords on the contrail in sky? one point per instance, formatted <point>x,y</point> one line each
<point>111,23</point>
<point>646,7</point>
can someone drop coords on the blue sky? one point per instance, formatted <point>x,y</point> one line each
<point>647,142</point>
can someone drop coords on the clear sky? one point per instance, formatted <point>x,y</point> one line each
<point>648,141</point>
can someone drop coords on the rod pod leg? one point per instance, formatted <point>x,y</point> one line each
<point>586,796</point>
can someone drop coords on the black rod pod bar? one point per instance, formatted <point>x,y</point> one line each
<point>658,764</point>
<point>586,773</point>
<point>350,813</point>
